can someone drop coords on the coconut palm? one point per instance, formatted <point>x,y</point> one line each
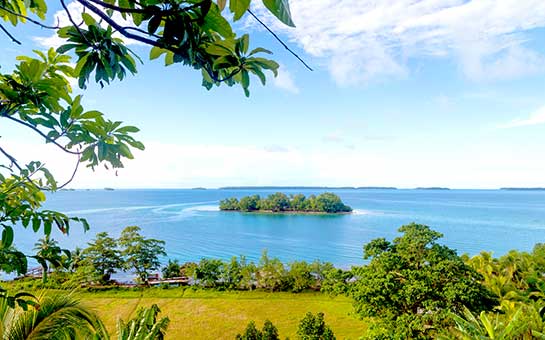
<point>58,317</point>
<point>145,326</point>
<point>48,251</point>
<point>522,323</point>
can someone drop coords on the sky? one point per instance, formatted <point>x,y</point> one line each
<point>404,93</point>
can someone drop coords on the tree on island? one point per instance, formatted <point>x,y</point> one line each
<point>37,94</point>
<point>279,202</point>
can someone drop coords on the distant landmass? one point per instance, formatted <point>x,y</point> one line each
<point>524,189</point>
<point>302,187</point>
<point>432,188</point>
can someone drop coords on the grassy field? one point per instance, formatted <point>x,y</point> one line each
<point>221,315</point>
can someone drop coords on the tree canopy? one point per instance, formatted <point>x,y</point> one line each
<point>412,284</point>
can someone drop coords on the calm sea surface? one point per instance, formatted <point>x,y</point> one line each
<point>193,227</point>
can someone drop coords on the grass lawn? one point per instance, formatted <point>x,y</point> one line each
<point>221,315</point>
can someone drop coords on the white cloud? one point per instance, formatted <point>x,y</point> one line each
<point>177,166</point>
<point>363,40</point>
<point>285,80</point>
<point>76,9</point>
<point>535,118</point>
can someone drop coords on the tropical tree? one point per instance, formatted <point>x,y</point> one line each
<point>313,327</point>
<point>412,284</point>
<point>48,253</point>
<point>269,332</point>
<point>139,253</point>
<point>208,272</point>
<point>523,322</point>
<point>300,276</point>
<point>12,260</point>
<point>271,273</point>
<point>146,325</point>
<point>172,269</point>
<point>59,316</point>
<point>102,254</point>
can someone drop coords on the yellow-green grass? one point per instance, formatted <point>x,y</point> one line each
<point>221,315</point>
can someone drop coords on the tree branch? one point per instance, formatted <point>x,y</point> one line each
<point>9,35</point>
<point>29,19</point>
<point>14,162</point>
<point>145,10</point>
<point>41,134</point>
<point>279,40</point>
<point>74,23</point>
<point>71,177</point>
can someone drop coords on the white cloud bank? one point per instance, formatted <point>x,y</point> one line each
<point>535,118</point>
<point>178,166</point>
<point>363,40</point>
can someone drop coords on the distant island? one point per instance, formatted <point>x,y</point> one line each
<point>327,203</point>
<point>524,189</point>
<point>303,188</point>
<point>109,189</point>
<point>432,188</point>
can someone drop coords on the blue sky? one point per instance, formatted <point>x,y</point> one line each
<point>404,93</point>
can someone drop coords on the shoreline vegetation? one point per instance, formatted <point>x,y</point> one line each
<point>280,203</point>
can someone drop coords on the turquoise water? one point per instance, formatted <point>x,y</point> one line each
<point>193,227</point>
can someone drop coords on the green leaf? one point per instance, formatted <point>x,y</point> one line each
<point>47,226</point>
<point>156,52</point>
<point>239,7</point>
<point>88,19</point>
<point>281,10</point>
<point>126,129</point>
<point>36,224</point>
<point>218,50</point>
<point>215,22</point>
<point>260,49</point>
<point>7,236</point>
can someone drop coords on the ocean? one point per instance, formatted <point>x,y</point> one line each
<point>192,226</point>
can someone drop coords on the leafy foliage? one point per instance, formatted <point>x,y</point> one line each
<point>269,332</point>
<point>145,325</point>
<point>102,255</point>
<point>313,327</point>
<point>59,316</point>
<point>48,253</point>
<point>412,284</point>
<point>193,33</point>
<point>139,253</point>
<point>172,269</point>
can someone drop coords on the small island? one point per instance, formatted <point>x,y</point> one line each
<point>326,203</point>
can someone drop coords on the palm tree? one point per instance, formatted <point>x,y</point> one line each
<point>58,317</point>
<point>523,322</point>
<point>48,251</point>
<point>145,326</point>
